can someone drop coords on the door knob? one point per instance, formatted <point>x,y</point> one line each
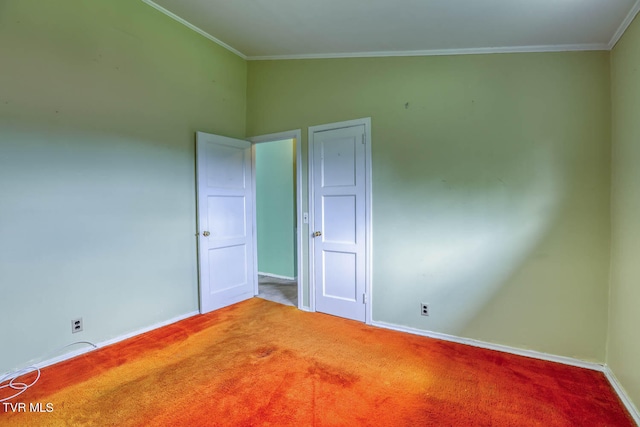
<point>317,234</point>
<point>206,234</point>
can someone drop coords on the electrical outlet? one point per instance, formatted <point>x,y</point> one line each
<point>76,325</point>
<point>424,309</point>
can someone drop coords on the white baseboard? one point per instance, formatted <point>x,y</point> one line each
<point>498,347</point>
<point>633,410</point>
<point>628,403</point>
<point>76,353</point>
<point>148,329</point>
<point>276,276</point>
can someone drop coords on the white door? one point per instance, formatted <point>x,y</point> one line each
<point>339,221</point>
<point>225,221</point>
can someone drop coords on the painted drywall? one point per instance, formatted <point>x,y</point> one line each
<point>491,186</point>
<point>99,103</point>
<point>275,207</point>
<point>623,351</point>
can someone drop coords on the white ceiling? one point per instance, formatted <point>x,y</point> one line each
<point>264,29</point>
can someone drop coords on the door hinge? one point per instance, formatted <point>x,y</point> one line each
<point>365,299</point>
<point>364,138</point>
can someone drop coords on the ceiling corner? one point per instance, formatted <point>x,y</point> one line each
<point>194,28</point>
<point>624,25</point>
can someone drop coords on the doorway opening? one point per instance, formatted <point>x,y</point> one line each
<point>277,206</point>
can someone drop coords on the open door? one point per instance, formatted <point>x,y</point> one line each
<point>225,221</point>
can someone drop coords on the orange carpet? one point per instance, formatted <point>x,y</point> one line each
<point>264,364</point>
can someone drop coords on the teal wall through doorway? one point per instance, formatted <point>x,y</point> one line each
<point>275,207</point>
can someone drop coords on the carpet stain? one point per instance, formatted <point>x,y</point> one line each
<point>332,375</point>
<point>264,352</point>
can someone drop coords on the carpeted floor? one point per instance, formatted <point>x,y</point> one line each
<point>264,364</point>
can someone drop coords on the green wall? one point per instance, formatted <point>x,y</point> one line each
<point>491,186</point>
<point>275,207</point>
<point>624,346</point>
<point>99,102</point>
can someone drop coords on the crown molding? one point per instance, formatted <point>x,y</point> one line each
<point>439,52</point>
<point>408,53</point>
<point>194,28</point>
<point>624,25</point>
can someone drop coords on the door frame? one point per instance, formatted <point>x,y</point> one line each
<point>279,136</point>
<point>366,122</point>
